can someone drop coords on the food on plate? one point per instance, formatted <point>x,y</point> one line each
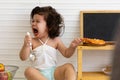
<point>9,75</point>
<point>107,70</point>
<point>2,67</point>
<point>5,75</point>
<point>90,41</point>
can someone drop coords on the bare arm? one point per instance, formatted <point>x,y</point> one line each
<point>25,50</point>
<point>68,52</point>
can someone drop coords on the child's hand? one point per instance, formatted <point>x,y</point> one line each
<point>75,42</point>
<point>28,40</point>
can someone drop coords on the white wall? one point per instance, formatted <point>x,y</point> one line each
<point>14,23</point>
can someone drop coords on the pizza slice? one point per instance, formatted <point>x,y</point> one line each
<point>96,42</point>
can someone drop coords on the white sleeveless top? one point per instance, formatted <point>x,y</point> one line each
<point>45,56</point>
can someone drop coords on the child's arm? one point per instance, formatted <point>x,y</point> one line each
<point>25,51</point>
<point>68,52</point>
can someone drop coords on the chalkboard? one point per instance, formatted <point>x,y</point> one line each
<point>99,24</point>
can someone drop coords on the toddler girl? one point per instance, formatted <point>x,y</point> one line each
<point>46,24</point>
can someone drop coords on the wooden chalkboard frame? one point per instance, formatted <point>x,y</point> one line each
<point>92,11</point>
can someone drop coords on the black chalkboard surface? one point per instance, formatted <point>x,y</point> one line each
<point>100,25</point>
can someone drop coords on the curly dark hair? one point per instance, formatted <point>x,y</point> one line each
<point>53,19</point>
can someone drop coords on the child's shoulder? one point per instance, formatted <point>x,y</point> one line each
<point>57,39</point>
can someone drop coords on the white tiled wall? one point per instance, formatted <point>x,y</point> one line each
<point>14,23</point>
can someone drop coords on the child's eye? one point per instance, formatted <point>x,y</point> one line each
<point>38,21</point>
<point>32,21</point>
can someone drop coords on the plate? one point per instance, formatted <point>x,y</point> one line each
<point>105,71</point>
<point>90,44</point>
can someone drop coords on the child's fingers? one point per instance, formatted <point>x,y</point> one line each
<point>27,40</point>
<point>77,40</point>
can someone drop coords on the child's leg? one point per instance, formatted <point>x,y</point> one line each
<point>65,72</point>
<point>33,74</point>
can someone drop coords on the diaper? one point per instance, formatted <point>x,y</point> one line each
<point>48,73</point>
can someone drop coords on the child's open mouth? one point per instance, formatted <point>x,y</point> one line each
<point>35,31</point>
